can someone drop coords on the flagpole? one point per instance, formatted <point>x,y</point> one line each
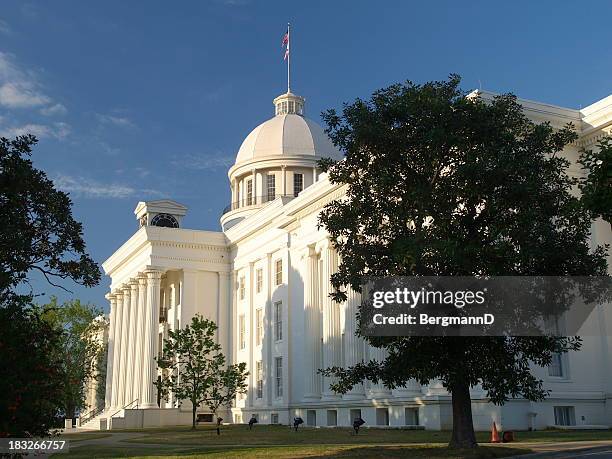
<point>288,57</point>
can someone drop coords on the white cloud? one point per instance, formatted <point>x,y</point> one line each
<point>20,89</point>
<point>21,94</point>
<point>56,109</point>
<point>120,121</point>
<point>57,131</point>
<point>89,188</point>
<point>81,186</point>
<point>4,27</point>
<point>204,161</point>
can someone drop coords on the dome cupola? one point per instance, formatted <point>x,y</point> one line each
<point>289,104</point>
<point>279,158</point>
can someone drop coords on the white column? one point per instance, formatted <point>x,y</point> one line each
<point>332,340</point>
<point>149,367</point>
<point>250,336</point>
<point>223,315</point>
<point>139,329</point>
<point>130,392</point>
<point>117,348</point>
<point>254,187</point>
<point>312,326</point>
<point>125,344</point>
<point>110,351</point>
<point>268,334</point>
<point>354,345</point>
<point>284,179</point>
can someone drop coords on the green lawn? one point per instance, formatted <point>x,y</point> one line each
<point>76,437</point>
<point>265,441</point>
<point>292,452</point>
<point>270,435</point>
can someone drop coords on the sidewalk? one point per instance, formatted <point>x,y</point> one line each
<point>570,449</point>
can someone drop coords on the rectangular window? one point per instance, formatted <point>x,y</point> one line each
<point>249,192</point>
<point>298,183</point>
<point>278,373</point>
<point>241,287</point>
<point>241,332</point>
<point>411,416</point>
<point>382,417</point>
<point>278,272</point>
<point>556,366</point>
<point>258,280</point>
<point>271,188</point>
<point>259,378</point>
<point>274,418</point>
<point>565,416</point>
<point>278,321</point>
<point>259,325</point>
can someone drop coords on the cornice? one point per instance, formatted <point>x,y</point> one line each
<point>178,238</point>
<point>265,162</point>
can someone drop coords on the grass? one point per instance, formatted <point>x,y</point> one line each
<point>271,435</point>
<point>292,452</point>
<point>264,441</point>
<point>82,436</point>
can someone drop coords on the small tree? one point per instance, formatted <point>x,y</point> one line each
<point>596,186</point>
<point>79,352</point>
<point>194,369</point>
<point>224,387</point>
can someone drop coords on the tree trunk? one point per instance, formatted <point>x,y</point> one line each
<point>193,416</point>
<point>463,426</point>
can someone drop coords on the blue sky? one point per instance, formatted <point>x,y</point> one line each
<point>149,99</point>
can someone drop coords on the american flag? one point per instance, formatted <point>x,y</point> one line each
<point>285,43</point>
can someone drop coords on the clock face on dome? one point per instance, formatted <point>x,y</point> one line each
<point>165,220</point>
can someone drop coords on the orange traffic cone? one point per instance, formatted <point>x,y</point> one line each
<point>494,434</point>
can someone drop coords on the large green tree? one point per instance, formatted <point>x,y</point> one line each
<point>440,184</point>
<point>38,234</point>
<point>79,325</point>
<point>38,230</point>
<point>195,369</point>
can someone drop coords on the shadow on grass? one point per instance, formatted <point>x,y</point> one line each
<point>312,452</point>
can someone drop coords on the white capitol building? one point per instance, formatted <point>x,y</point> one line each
<point>264,279</point>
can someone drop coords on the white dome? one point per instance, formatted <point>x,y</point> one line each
<point>288,134</point>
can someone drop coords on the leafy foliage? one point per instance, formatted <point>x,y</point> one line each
<point>194,368</point>
<point>38,230</point>
<point>31,386</point>
<point>39,347</point>
<point>80,325</point>
<point>440,184</point>
<point>596,187</point>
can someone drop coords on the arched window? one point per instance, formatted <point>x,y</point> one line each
<point>165,220</point>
